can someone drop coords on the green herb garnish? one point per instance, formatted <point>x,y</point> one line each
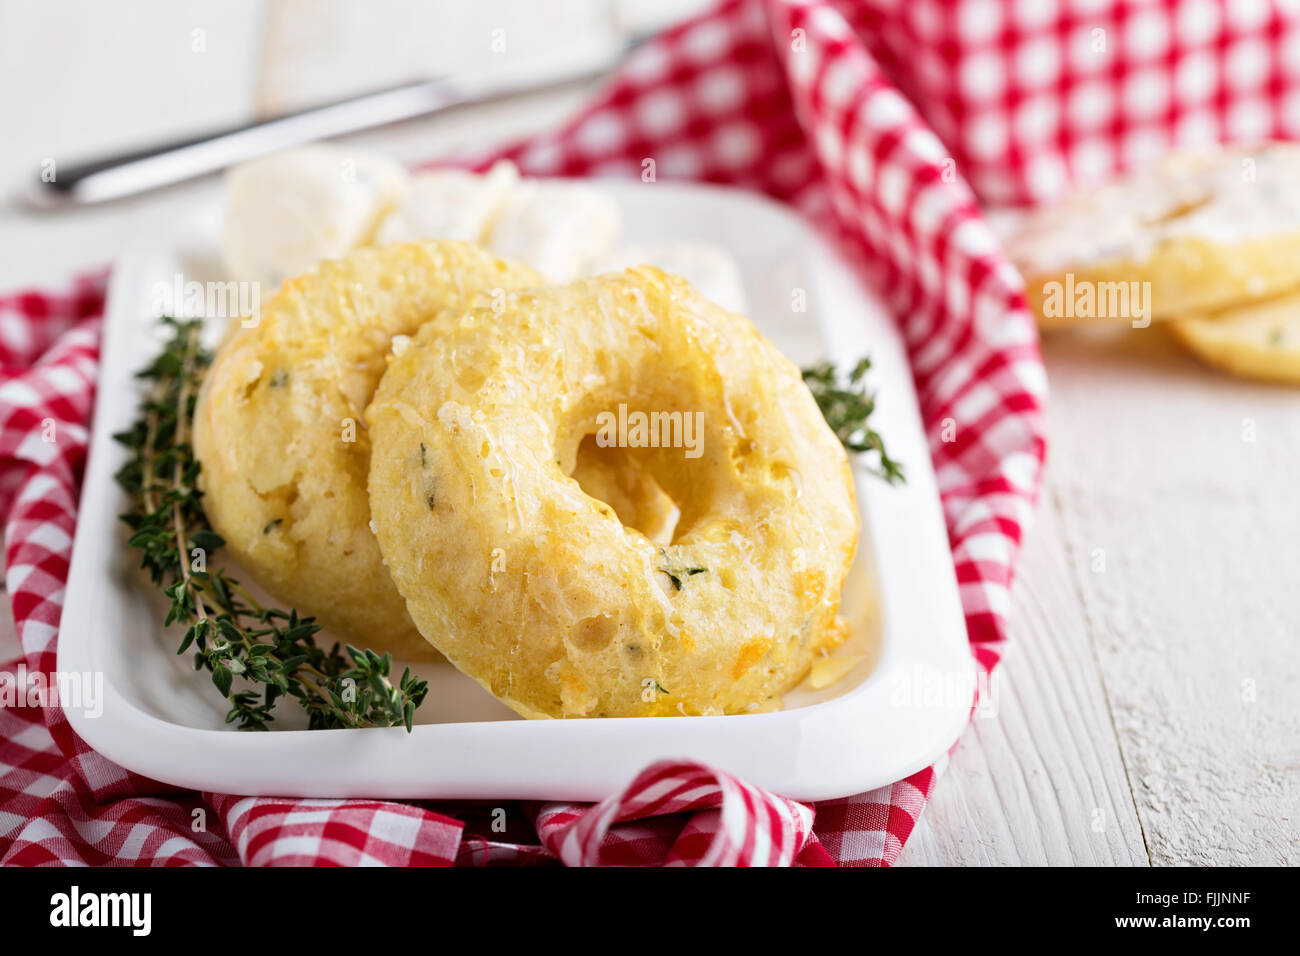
<point>232,634</point>
<point>676,574</point>
<point>846,408</point>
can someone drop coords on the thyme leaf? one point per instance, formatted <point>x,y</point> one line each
<point>847,406</point>
<point>230,633</point>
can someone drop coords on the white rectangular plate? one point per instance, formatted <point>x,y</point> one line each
<point>895,712</point>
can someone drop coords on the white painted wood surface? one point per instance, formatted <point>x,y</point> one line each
<point>1149,707</point>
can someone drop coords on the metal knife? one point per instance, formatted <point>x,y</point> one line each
<point>128,174</point>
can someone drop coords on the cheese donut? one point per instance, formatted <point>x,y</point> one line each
<point>281,438</point>
<point>538,591</point>
<point>1207,231</point>
<point>1261,340</point>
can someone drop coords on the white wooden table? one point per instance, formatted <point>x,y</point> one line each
<point>1148,710</point>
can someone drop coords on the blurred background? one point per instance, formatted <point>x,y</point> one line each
<point>82,78</point>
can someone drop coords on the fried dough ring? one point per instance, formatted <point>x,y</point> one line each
<point>1208,231</point>
<point>1260,340</point>
<point>280,434</point>
<point>538,591</point>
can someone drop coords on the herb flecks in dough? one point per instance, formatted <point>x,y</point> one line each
<point>677,574</point>
<point>231,633</point>
<point>846,408</point>
<point>429,487</point>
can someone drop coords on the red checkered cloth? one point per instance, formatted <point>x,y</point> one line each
<point>1032,97</point>
<point>873,118</point>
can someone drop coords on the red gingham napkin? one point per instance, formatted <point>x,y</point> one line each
<point>832,106</point>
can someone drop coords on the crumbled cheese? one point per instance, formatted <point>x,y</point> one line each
<point>828,670</point>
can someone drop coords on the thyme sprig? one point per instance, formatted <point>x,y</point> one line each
<point>846,406</point>
<point>231,633</point>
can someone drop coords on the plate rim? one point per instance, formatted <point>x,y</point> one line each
<point>792,752</point>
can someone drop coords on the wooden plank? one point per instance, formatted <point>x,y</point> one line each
<point>326,49</point>
<point>96,78</point>
<point>1178,496</point>
<point>1037,779</point>
<point>319,50</point>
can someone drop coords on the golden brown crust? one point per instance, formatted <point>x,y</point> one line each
<point>1260,341</point>
<point>1207,231</point>
<point>282,439</point>
<point>534,588</point>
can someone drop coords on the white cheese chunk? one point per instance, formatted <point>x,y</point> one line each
<point>288,211</point>
<point>450,204</point>
<point>556,227</point>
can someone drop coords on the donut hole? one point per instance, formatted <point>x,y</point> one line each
<point>620,479</point>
